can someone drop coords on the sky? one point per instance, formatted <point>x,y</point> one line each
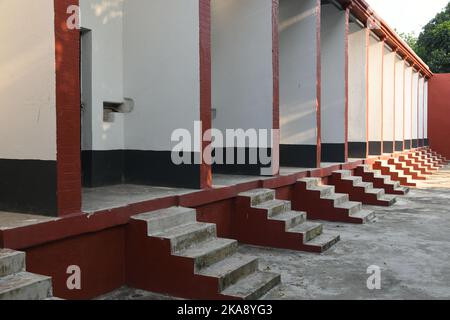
<point>407,15</point>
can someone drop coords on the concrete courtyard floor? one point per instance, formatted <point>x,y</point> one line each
<point>410,242</point>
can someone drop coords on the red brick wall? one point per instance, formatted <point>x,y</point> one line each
<point>100,256</point>
<point>67,111</point>
<point>439,113</point>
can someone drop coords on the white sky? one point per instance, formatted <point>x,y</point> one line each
<point>407,15</point>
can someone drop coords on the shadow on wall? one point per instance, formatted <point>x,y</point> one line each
<point>292,116</point>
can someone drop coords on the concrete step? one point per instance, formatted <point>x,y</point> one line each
<point>232,269</point>
<point>366,185</point>
<point>343,173</point>
<point>254,286</point>
<point>324,241</point>
<point>290,218</point>
<point>355,180</point>
<point>11,262</point>
<point>405,190</point>
<point>378,192</point>
<point>364,215</point>
<point>209,252</point>
<point>351,206</point>
<point>337,198</point>
<point>390,199</point>
<point>310,230</point>
<point>259,196</point>
<point>275,207</point>
<point>25,286</point>
<point>185,236</point>
<point>311,182</point>
<point>167,218</point>
<point>325,191</point>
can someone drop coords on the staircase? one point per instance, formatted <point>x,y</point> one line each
<point>426,158</point>
<point>418,163</point>
<point>395,175</point>
<point>170,252</point>
<point>380,181</point>
<point>409,168</point>
<point>406,170</point>
<point>359,191</point>
<point>401,162</point>
<point>16,283</point>
<point>432,156</point>
<point>320,202</point>
<point>265,221</point>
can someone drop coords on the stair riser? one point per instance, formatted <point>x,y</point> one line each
<point>257,200</point>
<point>260,292</point>
<point>279,209</point>
<point>355,209</point>
<point>158,225</point>
<point>215,256</point>
<point>341,200</point>
<point>330,244</point>
<point>313,233</point>
<point>326,192</point>
<point>295,221</point>
<point>36,291</point>
<point>311,183</point>
<point>11,264</point>
<point>187,240</point>
<point>238,274</point>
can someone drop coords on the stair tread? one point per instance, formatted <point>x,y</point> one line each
<point>247,287</point>
<point>362,214</point>
<point>335,196</point>
<point>343,172</point>
<point>11,262</point>
<point>255,192</point>
<point>324,239</point>
<point>348,205</point>
<point>375,191</point>
<point>305,227</point>
<point>364,185</point>
<point>352,178</point>
<point>182,230</point>
<point>288,215</point>
<point>164,213</point>
<point>272,204</point>
<point>227,265</point>
<point>388,197</point>
<point>206,247</point>
<point>21,280</point>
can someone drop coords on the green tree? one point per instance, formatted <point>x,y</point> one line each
<point>433,44</point>
<point>410,39</point>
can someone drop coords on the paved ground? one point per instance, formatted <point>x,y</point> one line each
<point>410,242</point>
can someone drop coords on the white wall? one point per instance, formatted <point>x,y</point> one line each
<point>333,46</point>
<point>357,78</point>
<point>27,80</point>
<point>421,106</point>
<point>415,105</point>
<point>298,72</point>
<point>104,18</point>
<point>375,89</point>
<point>426,110</point>
<point>399,98</point>
<point>408,103</point>
<point>162,71</point>
<point>389,94</point>
<point>242,64</point>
